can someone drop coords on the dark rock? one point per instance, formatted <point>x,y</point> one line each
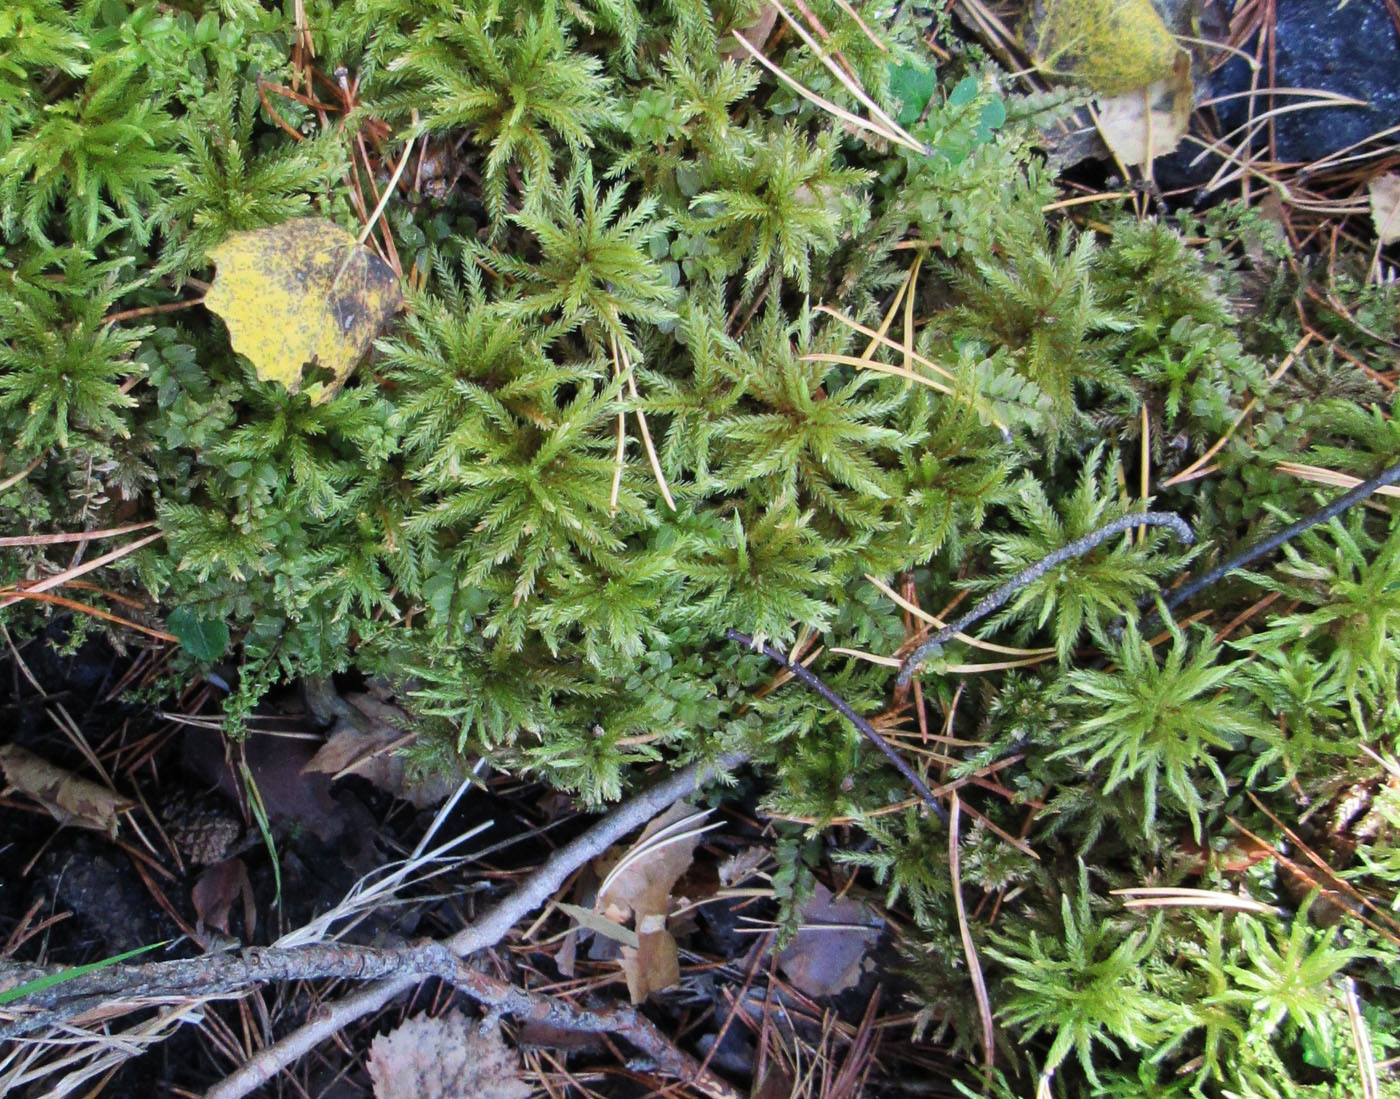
<point>1353,50</point>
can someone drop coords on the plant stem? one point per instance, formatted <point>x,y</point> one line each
<point>844,708</point>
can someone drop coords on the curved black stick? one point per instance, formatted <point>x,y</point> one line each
<point>1077,548</point>
<point>866,729</point>
<point>1180,595</point>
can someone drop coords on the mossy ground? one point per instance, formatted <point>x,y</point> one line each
<point>685,350</point>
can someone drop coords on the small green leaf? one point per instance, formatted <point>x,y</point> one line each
<point>913,87</point>
<point>203,638</point>
<point>964,93</point>
<point>992,118</point>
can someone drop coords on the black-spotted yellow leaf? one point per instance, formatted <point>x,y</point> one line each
<point>301,292</point>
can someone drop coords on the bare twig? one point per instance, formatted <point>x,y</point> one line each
<point>844,708</point>
<point>222,975</point>
<point>1267,545</point>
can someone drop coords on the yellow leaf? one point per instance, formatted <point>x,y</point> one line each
<point>1113,46</point>
<point>301,292</point>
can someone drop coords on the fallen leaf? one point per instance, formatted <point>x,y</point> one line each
<point>216,890</point>
<point>366,740</point>
<point>303,291</point>
<point>637,885</point>
<point>1385,206</point>
<point>825,958</point>
<point>71,798</point>
<point>654,965</point>
<point>1145,123</point>
<point>447,1057</point>
<point>1113,46</point>
<point>276,763</point>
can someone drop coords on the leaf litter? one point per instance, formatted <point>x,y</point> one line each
<point>69,798</point>
<point>445,1057</point>
<point>636,887</point>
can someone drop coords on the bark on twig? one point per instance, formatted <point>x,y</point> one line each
<point>815,683</point>
<point>230,974</point>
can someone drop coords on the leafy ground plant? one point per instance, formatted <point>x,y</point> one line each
<point>724,316</point>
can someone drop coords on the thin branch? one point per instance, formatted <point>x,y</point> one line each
<point>1178,596</point>
<point>221,975</point>
<point>844,708</point>
<point>1078,548</point>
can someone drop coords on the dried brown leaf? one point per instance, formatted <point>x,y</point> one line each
<point>71,798</point>
<point>637,885</point>
<point>649,868</point>
<point>369,744</point>
<point>826,956</point>
<point>447,1057</point>
<point>216,890</point>
<point>654,965</point>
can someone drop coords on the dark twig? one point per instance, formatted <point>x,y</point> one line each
<point>844,708</point>
<point>1180,595</point>
<point>1077,548</point>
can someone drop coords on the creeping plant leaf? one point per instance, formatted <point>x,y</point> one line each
<point>300,292</point>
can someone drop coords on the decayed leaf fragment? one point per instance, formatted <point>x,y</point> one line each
<point>1385,206</point>
<point>829,951</point>
<point>366,740</point>
<point>303,291</point>
<point>215,891</point>
<point>71,798</point>
<point>444,1058</point>
<point>1145,123</point>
